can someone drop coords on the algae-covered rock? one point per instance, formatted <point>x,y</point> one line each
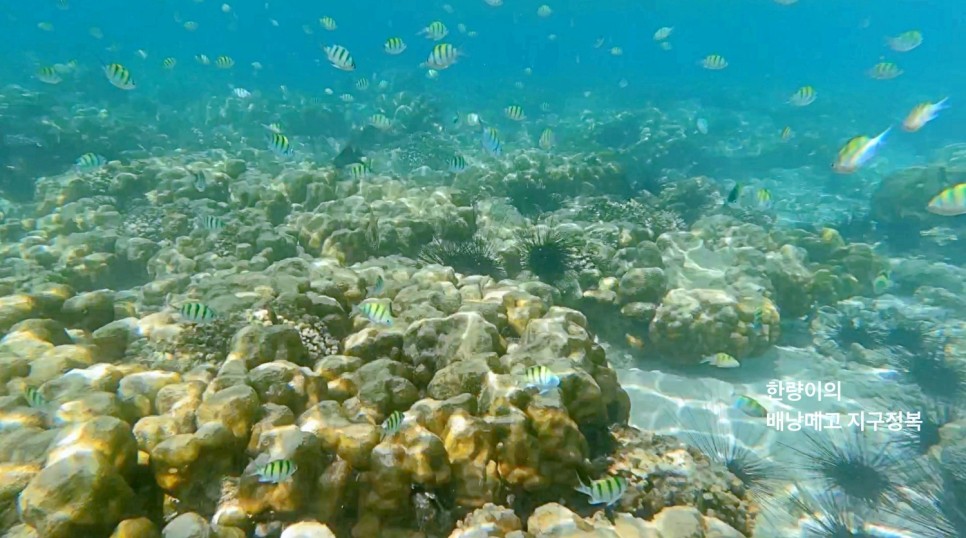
<point>77,495</point>
<point>189,525</point>
<point>693,324</point>
<point>258,344</point>
<point>90,311</point>
<point>140,527</point>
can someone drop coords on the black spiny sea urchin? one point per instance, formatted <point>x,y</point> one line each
<point>937,506</point>
<point>938,376</point>
<point>853,330</point>
<point>470,257</point>
<point>531,197</point>
<point>757,474</point>
<point>547,253</point>
<point>914,336</point>
<point>873,476</point>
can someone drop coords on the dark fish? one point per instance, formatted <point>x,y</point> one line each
<point>348,155</point>
<point>735,192</point>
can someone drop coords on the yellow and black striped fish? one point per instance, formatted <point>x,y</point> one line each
<point>224,62</point>
<point>357,170</point>
<point>787,133</point>
<point>457,164</point>
<point>34,398</point>
<point>380,121</point>
<point>276,471</point>
<point>48,75</point>
<point>119,76</point>
<point>377,312</point>
<point>393,422</point>
<point>328,23</point>
<point>442,56</point>
<point>279,144</point>
<point>435,31</point>
<point>547,139</point>
<point>211,222</point>
<point>203,59</point>
<point>196,312</point>
<point>714,62</point>
<point>340,58</point>
<point>515,112</point>
<point>764,196</point>
<point>541,378</point>
<point>169,63</point>
<point>885,71</point>
<point>90,161</point>
<point>362,84</point>
<point>604,491</point>
<point>395,45</point>
<point>804,96</point>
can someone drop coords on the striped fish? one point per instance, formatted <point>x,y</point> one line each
<point>950,202</point>
<point>196,312</point>
<point>604,491</point>
<point>885,71</point>
<point>211,222</point>
<point>276,471</point>
<point>90,161</point>
<point>169,63</point>
<point>224,62</point>
<point>34,398</point>
<point>202,59</point>
<point>380,121</point>
<point>328,23</point>
<point>279,144</point>
<point>442,56</point>
<point>515,113</point>
<point>357,170</point>
<point>547,139</point>
<point>340,58</point>
<point>541,378</point>
<point>394,46</point>
<point>393,422</point>
<point>457,164</point>
<point>714,62</point>
<point>48,75</point>
<point>362,84</point>
<point>435,31</point>
<point>119,76</point>
<point>804,96</point>
<point>491,142</point>
<point>377,312</point>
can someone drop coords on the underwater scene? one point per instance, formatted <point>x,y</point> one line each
<point>483,268</point>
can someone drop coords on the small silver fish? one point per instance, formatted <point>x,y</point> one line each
<point>200,181</point>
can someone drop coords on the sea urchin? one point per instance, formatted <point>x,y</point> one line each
<point>873,476</point>
<point>471,257</point>
<point>547,253</point>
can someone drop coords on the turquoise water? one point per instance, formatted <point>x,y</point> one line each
<point>646,150</point>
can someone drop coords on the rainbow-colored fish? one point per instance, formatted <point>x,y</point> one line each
<point>922,114</point>
<point>950,202</point>
<point>856,152</point>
